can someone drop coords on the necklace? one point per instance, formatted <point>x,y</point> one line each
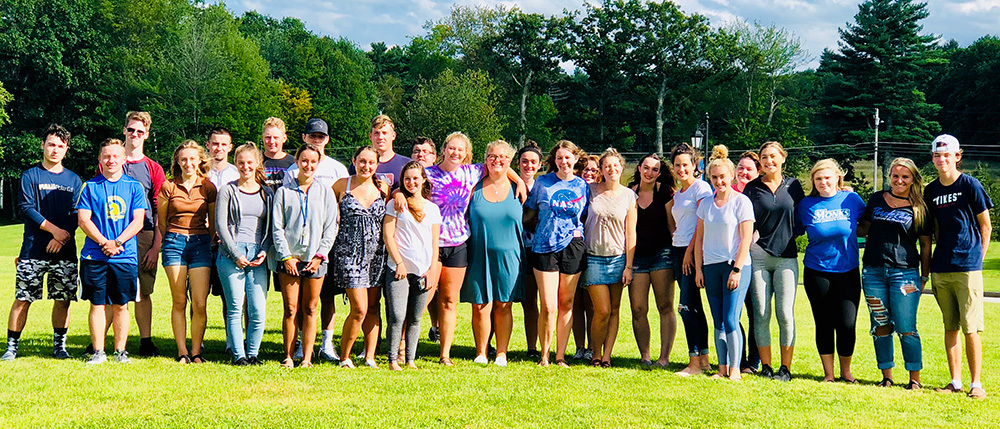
<point>898,197</point>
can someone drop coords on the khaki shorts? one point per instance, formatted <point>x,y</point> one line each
<point>144,240</point>
<point>960,296</point>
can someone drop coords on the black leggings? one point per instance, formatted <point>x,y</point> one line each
<point>834,299</point>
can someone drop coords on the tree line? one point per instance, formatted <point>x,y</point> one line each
<point>644,74</point>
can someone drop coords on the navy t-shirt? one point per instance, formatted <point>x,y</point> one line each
<point>48,196</point>
<point>831,224</point>
<point>892,235</point>
<point>560,204</point>
<point>274,170</point>
<point>954,209</point>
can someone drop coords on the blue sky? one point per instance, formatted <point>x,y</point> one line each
<point>814,22</point>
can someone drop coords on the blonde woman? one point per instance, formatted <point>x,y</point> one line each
<point>186,215</point>
<point>722,259</point>
<point>895,269</point>
<point>829,217</point>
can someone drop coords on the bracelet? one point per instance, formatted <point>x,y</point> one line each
<point>628,267</point>
<point>321,256</point>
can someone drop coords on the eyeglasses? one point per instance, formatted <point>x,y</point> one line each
<point>139,133</point>
<point>493,157</point>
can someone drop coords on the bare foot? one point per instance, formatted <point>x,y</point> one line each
<point>544,363</point>
<point>395,366</point>
<point>662,363</point>
<point>689,371</point>
<point>411,365</point>
<point>735,376</point>
<point>716,376</point>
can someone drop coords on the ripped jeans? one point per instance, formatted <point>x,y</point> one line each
<point>893,295</point>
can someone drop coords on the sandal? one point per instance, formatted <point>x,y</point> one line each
<point>288,363</point>
<point>184,359</point>
<point>196,358</point>
<point>886,382</point>
<point>305,364</point>
<point>606,364</point>
<point>562,363</point>
<point>914,385</point>
<point>346,363</point>
<point>595,362</point>
<point>848,380</point>
<point>446,361</point>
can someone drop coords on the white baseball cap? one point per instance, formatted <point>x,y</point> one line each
<point>944,143</point>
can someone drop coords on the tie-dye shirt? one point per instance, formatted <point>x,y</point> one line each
<point>560,205</point>
<point>451,192</point>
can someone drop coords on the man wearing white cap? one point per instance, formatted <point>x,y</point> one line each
<point>959,206</point>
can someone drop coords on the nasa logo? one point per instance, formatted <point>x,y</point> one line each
<point>564,203</point>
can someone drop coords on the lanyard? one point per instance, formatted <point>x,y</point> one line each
<point>304,208</point>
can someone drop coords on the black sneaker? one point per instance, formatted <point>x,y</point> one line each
<point>766,371</point>
<point>147,348</point>
<point>533,354</point>
<point>241,362</point>
<point>434,335</point>
<point>89,350</point>
<point>491,351</point>
<point>253,361</point>
<point>783,374</point>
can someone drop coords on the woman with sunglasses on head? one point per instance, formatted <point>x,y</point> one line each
<point>304,217</point>
<point>652,266</point>
<point>244,216</point>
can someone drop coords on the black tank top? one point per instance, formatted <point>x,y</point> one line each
<point>652,231</point>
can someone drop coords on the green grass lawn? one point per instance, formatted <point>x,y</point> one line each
<point>36,390</point>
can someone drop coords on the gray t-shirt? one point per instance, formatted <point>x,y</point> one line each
<point>252,219</point>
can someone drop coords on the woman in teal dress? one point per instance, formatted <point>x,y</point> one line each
<point>493,280</point>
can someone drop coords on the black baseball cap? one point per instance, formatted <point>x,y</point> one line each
<point>316,125</point>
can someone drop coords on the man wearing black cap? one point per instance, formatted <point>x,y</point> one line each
<point>329,170</point>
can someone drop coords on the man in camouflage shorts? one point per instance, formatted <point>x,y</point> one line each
<point>46,203</point>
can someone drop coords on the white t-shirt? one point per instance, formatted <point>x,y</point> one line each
<point>722,234</point>
<point>685,211</point>
<point>328,172</point>
<point>221,178</point>
<point>414,238</point>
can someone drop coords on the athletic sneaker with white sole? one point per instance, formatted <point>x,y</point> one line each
<point>97,358</point>
<point>121,356</point>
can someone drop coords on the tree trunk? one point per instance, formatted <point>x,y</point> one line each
<point>659,115</point>
<point>524,107</point>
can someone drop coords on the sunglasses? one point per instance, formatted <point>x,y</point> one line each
<point>139,133</point>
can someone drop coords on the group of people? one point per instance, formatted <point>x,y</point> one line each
<point>435,230</point>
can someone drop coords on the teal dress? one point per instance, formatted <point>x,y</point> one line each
<point>494,273</point>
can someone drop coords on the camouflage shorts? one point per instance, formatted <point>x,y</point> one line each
<point>63,280</point>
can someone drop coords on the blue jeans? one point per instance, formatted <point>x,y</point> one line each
<point>726,305</point>
<point>893,295</point>
<point>690,308</point>
<point>239,284</point>
<point>192,251</point>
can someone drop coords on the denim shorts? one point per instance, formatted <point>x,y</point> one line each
<point>193,251</point>
<point>657,262</point>
<point>604,270</point>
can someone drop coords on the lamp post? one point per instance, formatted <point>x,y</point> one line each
<point>699,138</point>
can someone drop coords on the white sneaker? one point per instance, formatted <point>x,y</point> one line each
<point>501,361</point>
<point>329,354</point>
<point>481,360</point>
<point>9,355</point>
<point>298,351</point>
<point>98,358</point>
<point>121,356</point>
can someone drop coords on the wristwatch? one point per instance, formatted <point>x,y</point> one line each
<point>118,243</point>
<point>736,270</point>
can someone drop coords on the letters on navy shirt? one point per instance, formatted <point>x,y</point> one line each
<point>48,196</point>
<point>954,208</point>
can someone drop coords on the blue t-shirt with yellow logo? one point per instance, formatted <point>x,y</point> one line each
<point>111,205</point>
<point>561,205</point>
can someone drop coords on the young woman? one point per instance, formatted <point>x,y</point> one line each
<point>186,211</point>
<point>359,253</point>
<point>774,257</point>
<point>829,217</point>
<point>684,210</point>
<point>556,206</point>
<point>588,168</point>
<point>722,259</point>
<point>609,232</point>
<point>893,277</point>
<point>748,169</point>
<point>493,281</point>
<point>452,181</point>
<point>529,159</point>
<point>304,226</point>
<point>411,240</point>
<point>652,267</point>
<point>244,216</point>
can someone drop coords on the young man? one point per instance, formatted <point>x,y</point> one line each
<point>111,211</point>
<point>390,164</point>
<point>959,206</point>
<point>329,170</point>
<point>219,144</point>
<point>424,151</point>
<point>276,161</point>
<point>46,203</point>
<point>150,175</point>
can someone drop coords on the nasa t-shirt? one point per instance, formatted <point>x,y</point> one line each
<point>954,208</point>
<point>560,204</point>
<point>830,224</point>
<point>111,205</point>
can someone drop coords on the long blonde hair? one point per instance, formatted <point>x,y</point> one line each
<point>916,196</point>
<point>203,167</point>
<point>822,165</point>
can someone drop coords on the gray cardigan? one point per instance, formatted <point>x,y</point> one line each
<point>227,218</point>
<point>303,235</point>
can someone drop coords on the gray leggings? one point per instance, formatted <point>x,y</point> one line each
<point>404,301</point>
<point>778,277</point>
